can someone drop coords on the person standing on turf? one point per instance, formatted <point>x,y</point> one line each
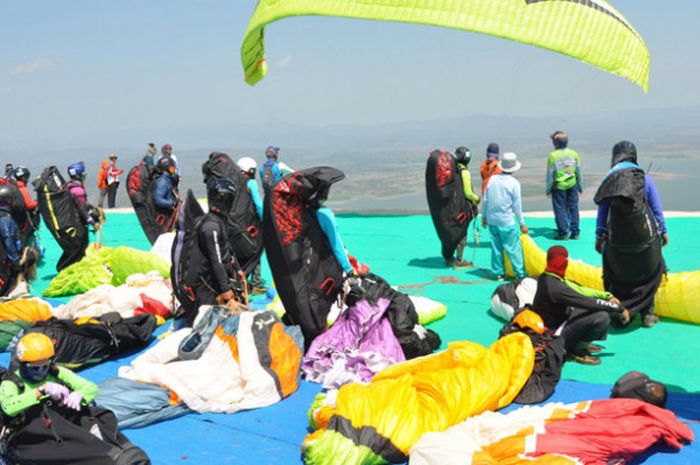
<point>490,166</point>
<point>112,180</point>
<point>502,206</point>
<point>564,184</point>
<point>463,156</point>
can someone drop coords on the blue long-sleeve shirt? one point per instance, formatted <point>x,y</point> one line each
<point>326,219</point>
<point>252,186</point>
<point>654,203</point>
<point>502,203</point>
<point>10,235</point>
<point>164,193</point>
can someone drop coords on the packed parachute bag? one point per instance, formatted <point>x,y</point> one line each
<point>549,356</point>
<point>58,210</point>
<point>450,210</point>
<point>637,385</point>
<point>306,274</point>
<point>415,340</point>
<point>244,225</point>
<point>141,183</point>
<point>53,434</point>
<point>27,223</point>
<point>186,256</point>
<point>88,341</point>
<point>512,297</point>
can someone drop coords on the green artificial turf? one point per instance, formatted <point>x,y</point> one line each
<point>406,252</point>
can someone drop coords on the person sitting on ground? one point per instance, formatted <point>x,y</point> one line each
<point>490,166</point>
<point>273,170</point>
<point>21,175</point>
<point>463,157</point>
<point>249,167</point>
<point>218,276</point>
<point>42,379</point>
<point>502,206</point>
<point>329,226</point>
<point>580,314</point>
<point>564,184</point>
<point>165,194</point>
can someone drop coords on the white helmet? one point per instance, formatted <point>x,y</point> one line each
<point>248,165</point>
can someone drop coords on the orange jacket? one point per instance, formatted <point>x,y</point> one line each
<point>488,169</point>
<point>102,175</point>
<point>29,202</point>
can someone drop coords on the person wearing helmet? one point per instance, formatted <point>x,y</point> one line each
<point>564,184</point>
<point>273,170</point>
<point>582,314</point>
<point>218,273</point>
<point>249,167</point>
<point>463,157</point>
<point>165,194</point>
<point>89,215</point>
<point>631,233</point>
<point>9,233</point>
<point>21,175</point>
<point>39,379</point>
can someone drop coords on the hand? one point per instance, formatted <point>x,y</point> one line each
<point>625,317</point>
<point>484,223</point>
<point>97,226</point>
<point>54,390</point>
<point>73,401</point>
<point>523,229</point>
<point>599,242</point>
<point>224,297</point>
<point>614,300</point>
<point>664,240</point>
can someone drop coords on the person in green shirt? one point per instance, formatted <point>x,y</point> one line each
<point>38,379</point>
<point>463,157</point>
<point>564,184</point>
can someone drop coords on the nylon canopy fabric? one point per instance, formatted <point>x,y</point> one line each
<point>593,432</point>
<point>592,31</point>
<point>678,296</point>
<point>379,422</point>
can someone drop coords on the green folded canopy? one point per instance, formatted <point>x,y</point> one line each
<point>592,31</point>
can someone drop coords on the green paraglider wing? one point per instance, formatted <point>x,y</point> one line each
<point>592,31</point>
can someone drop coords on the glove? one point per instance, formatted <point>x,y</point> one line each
<point>599,242</point>
<point>54,390</point>
<point>73,400</point>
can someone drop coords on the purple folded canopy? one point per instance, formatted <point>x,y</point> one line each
<point>358,345</point>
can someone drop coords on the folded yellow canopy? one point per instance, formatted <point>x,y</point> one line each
<point>592,31</point>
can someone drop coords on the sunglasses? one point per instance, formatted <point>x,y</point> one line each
<point>38,366</point>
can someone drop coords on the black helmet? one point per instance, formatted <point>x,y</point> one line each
<point>463,155</point>
<point>21,173</point>
<point>624,151</point>
<point>165,163</point>
<point>220,193</point>
<point>7,195</point>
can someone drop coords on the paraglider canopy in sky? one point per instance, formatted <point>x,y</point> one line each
<point>592,31</point>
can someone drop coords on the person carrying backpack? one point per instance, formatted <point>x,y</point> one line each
<point>89,215</point>
<point>9,233</point>
<point>273,170</point>
<point>248,167</point>
<point>218,271</point>
<point>165,194</point>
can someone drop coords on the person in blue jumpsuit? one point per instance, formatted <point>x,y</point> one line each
<point>165,195</point>
<point>329,226</point>
<point>9,232</point>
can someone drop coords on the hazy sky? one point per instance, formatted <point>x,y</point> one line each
<point>82,67</point>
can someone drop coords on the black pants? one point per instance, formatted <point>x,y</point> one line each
<point>585,326</point>
<point>73,250</point>
<point>112,194</point>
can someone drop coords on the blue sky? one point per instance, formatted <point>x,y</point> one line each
<point>81,67</point>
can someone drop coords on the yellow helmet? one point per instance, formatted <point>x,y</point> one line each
<point>34,347</point>
<point>530,319</point>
